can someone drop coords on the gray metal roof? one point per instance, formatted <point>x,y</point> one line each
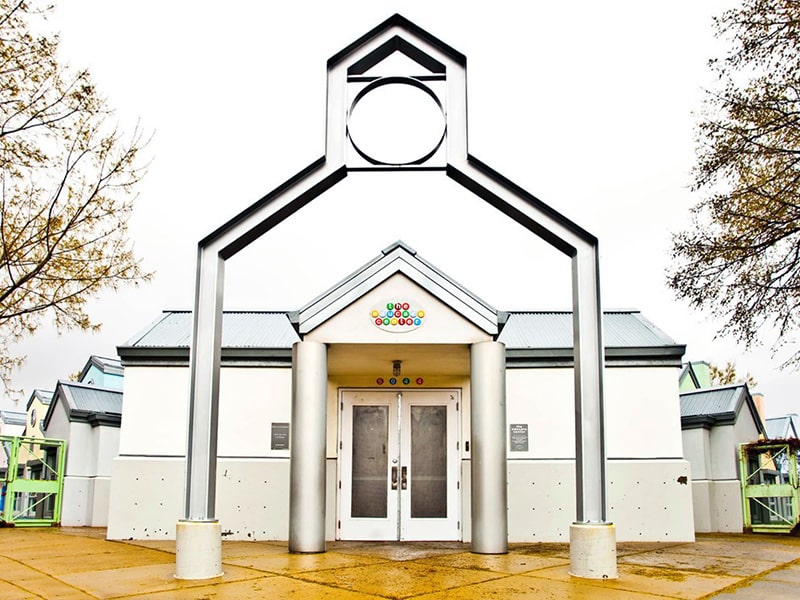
<point>11,417</point>
<point>245,330</point>
<point>707,407</point>
<point>713,401</point>
<point>87,403</point>
<point>540,338</point>
<point>621,329</point>
<point>783,428</point>
<point>545,337</point>
<point>110,366</point>
<point>88,398</point>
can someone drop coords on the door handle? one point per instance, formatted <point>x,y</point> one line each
<point>403,478</point>
<point>394,478</point>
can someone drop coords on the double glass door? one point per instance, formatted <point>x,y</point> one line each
<point>399,465</point>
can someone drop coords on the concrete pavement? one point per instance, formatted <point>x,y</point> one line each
<point>78,563</point>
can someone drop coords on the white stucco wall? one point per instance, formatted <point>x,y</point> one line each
<point>157,403</point>
<point>646,499</point>
<point>697,450</point>
<point>643,417</point>
<point>641,403</point>
<point>90,454</point>
<point>154,411</point>
<point>148,480</point>
<point>713,454</point>
<point>544,400</point>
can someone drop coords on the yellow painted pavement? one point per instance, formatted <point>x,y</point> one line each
<point>78,563</point>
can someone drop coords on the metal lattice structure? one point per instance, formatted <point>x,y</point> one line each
<point>769,478</point>
<point>34,481</point>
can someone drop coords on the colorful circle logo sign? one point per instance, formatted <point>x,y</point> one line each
<point>397,316</point>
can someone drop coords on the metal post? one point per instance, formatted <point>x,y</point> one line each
<point>198,541</point>
<point>307,455</point>
<point>589,439</point>
<point>593,549</point>
<point>488,460</point>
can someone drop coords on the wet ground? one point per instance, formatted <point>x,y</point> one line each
<point>78,563</point>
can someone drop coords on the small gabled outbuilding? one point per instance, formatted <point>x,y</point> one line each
<point>88,418</point>
<point>714,421</point>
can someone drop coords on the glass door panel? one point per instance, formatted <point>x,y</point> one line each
<point>428,461</point>
<point>370,461</point>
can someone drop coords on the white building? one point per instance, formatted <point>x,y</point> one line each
<point>715,421</point>
<point>88,418</point>
<point>398,416</point>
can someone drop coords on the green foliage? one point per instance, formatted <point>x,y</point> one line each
<point>66,183</point>
<point>741,257</point>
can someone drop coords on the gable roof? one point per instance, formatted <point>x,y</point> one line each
<point>397,258</point>
<point>87,404</point>
<point>709,407</point>
<point>109,366</point>
<point>43,396</point>
<point>783,428</point>
<point>532,338</point>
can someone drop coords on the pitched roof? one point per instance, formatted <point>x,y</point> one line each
<point>532,338</point>
<point>44,396</point>
<point>109,366</point>
<point>245,334</point>
<point>87,403</point>
<point>12,417</point>
<point>397,258</point>
<point>541,336</point>
<point>627,334</point>
<point>708,407</point>
<point>783,428</point>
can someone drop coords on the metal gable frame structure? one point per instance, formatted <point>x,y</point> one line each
<point>198,551</point>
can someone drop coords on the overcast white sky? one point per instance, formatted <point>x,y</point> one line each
<point>587,105</point>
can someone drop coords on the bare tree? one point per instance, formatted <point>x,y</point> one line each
<point>67,177</point>
<point>741,257</point>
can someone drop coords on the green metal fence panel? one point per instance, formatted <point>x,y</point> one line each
<point>32,487</point>
<point>769,479</point>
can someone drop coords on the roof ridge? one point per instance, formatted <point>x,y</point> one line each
<point>90,386</point>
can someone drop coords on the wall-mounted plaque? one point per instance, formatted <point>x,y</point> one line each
<point>518,435</point>
<point>280,436</point>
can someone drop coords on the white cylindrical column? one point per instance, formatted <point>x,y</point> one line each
<point>198,550</point>
<point>307,454</point>
<point>593,550</point>
<point>488,455</point>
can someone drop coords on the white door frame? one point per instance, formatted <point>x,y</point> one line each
<point>398,523</point>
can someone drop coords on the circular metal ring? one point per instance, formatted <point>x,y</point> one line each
<point>393,80</point>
